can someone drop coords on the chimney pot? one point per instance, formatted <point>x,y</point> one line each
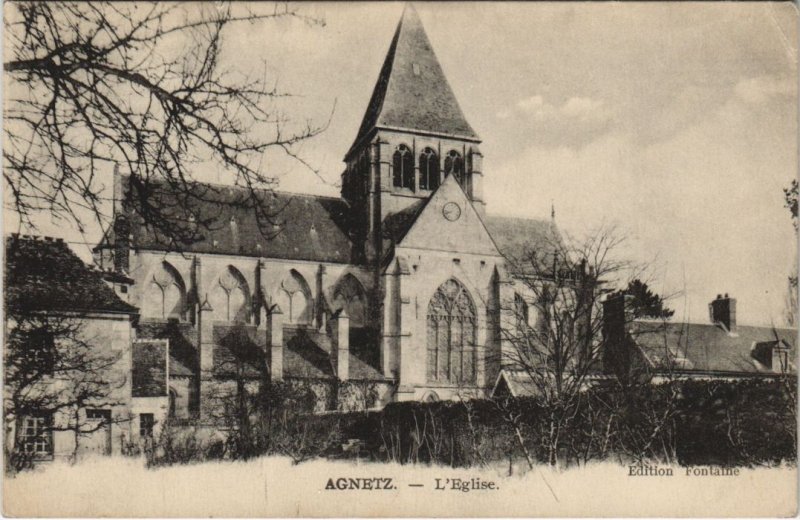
<point>722,311</point>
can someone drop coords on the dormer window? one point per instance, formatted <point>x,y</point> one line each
<point>428,170</point>
<point>403,168</point>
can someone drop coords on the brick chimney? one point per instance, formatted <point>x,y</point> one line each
<point>617,355</point>
<point>722,311</point>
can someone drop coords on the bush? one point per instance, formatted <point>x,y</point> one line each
<point>738,423</point>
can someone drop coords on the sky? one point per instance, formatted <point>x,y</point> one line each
<point>678,122</point>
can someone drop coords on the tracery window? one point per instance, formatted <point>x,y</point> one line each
<point>350,295</point>
<point>451,335</point>
<point>294,298</point>
<point>166,297</point>
<point>428,170</point>
<point>231,300</point>
<point>403,168</point>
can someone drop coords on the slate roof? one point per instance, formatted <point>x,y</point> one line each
<point>183,349</point>
<point>412,91</point>
<point>43,274</point>
<point>149,372</point>
<point>517,237</point>
<point>239,349</point>
<point>307,354</point>
<point>697,347</point>
<point>305,227</point>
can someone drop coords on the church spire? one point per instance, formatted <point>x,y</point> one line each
<point>412,92</point>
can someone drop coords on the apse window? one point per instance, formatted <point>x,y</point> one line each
<point>415,68</point>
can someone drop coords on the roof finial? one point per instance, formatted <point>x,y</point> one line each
<point>552,210</point>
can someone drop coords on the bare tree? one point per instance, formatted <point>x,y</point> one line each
<point>552,330</point>
<point>54,370</point>
<point>139,85</point>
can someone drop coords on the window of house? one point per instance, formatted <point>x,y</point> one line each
<point>428,170</point>
<point>94,414</point>
<point>41,351</point>
<point>146,423</point>
<point>36,436</point>
<point>403,168</point>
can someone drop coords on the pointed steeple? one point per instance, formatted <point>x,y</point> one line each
<point>412,92</point>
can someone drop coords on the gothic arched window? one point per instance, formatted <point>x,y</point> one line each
<point>350,295</point>
<point>230,298</point>
<point>428,170</point>
<point>403,168</point>
<point>166,295</point>
<point>294,298</point>
<point>451,335</point>
<point>454,164</point>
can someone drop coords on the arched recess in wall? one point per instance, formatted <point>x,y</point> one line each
<point>430,397</point>
<point>294,298</point>
<point>230,297</point>
<point>351,296</point>
<point>165,294</point>
<point>451,334</point>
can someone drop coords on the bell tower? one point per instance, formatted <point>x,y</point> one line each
<point>412,136</point>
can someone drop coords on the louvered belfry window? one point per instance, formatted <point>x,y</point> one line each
<point>451,335</point>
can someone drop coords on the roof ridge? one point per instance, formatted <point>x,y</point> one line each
<point>534,219</point>
<point>267,190</point>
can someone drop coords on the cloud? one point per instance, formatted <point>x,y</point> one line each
<point>763,88</point>
<point>574,108</point>
<point>575,121</point>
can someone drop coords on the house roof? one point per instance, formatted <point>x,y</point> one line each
<point>304,227</point>
<point>696,347</point>
<point>43,274</point>
<point>412,92</point>
<point>518,383</point>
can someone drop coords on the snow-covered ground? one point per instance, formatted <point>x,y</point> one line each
<point>272,486</point>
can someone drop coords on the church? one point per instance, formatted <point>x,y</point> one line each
<point>395,285</point>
